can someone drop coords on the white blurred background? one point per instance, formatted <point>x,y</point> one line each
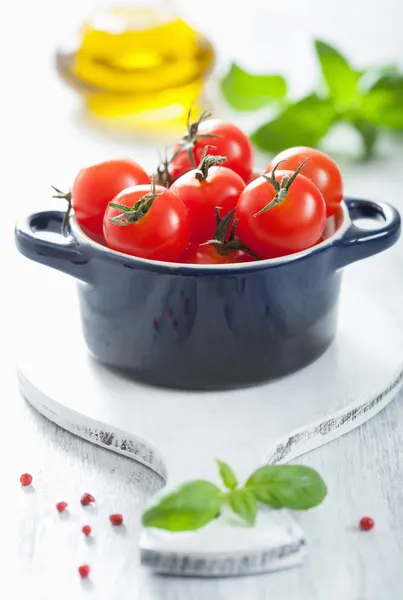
<point>40,118</point>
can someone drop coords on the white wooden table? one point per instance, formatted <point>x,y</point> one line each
<point>363,470</point>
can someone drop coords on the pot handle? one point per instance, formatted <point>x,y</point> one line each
<point>358,243</point>
<point>63,252</point>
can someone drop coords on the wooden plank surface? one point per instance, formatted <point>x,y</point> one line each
<point>362,470</point>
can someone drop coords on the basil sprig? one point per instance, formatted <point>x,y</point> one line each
<point>196,503</point>
<point>369,100</point>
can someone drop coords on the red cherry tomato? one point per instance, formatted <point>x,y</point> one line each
<point>230,142</point>
<point>319,168</point>
<point>161,231</point>
<point>202,191</point>
<point>208,255</point>
<point>97,185</point>
<point>295,221</point>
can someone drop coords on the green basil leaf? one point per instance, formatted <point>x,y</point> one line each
<point>373,78</point>
<point>304,123</point>
<point>341,79</point>
<point>390,116</point>
<point>291,486</point>
<point>369,136</point>
<point>245,91</point>
<point>243,502</point>
<point>227,475</point>
<point>389,81</point>
<point>190,507</point>
<point>382,102</point>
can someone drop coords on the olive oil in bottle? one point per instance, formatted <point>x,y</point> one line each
<point>138,65</point>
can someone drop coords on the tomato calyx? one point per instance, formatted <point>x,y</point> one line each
<point>64,196</point>
<point>188,141</point>
<point>224,239</point>
<point>163,174</point>
<point>133,214</point>
<point>281,188</point>
<point>207,161</point>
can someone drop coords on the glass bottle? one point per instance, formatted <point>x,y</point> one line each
<point>138,64</point>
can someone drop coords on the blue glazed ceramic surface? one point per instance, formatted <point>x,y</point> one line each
<point>209,326</point>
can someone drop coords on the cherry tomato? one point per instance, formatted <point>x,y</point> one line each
<point>152,224</point>
<point>205,189</point>
<point>319,168</point>
<point>208,255</point>
<point>230,142</point>
<point>295,220</point>
<point>97,185</point>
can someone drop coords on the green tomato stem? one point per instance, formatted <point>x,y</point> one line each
<point>281,188</point>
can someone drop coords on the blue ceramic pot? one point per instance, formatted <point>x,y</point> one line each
<point>209,326</point>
